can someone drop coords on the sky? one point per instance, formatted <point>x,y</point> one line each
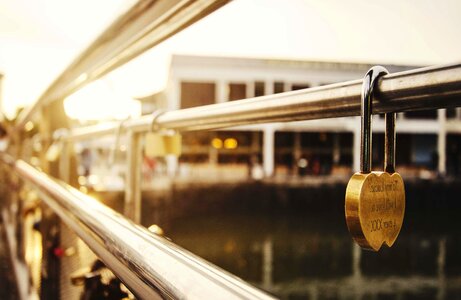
<point>39,38</point>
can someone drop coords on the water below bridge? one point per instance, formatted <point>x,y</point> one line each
<point>293,241</point>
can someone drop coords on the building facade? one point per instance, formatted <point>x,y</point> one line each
<point>427,141</point>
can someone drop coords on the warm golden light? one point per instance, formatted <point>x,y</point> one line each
<point>230,143</point>
<point>29,126</point>
<point>98,101</point>
<point>35,161</point>
<point>216,143</point>
<point>81,180</point>
<point>156,229</point>
<point>34,50</point>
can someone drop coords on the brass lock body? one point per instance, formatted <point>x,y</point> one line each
<point>375,201</point>
<point>375,206</point>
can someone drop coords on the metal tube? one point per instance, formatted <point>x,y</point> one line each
<point>365,123</point>
<point>368,88</point>
<point>132,205</point>
<point>150,266</point>
<point>145,25</point>
<point>389,143</point>
<point>425,88</point>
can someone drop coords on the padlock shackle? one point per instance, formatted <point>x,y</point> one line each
<point>155,115</point>
<point>389,143</point>
<point>368,85</point>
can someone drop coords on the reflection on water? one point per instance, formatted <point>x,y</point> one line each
<point>311,256</point>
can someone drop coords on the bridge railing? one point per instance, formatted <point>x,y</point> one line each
<point>420,89</point>
<point>151,266</point>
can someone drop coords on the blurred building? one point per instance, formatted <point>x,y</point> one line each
<point>1,97</point>
<point>427,142</point>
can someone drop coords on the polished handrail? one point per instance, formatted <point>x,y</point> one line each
<point>149,265</point>
<point>424,88</point>
<point>143,26</point>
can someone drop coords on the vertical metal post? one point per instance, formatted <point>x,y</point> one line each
<point>268,151</point>
<point>132,207</point>
<point>16,205</point>
<point>442,141</point>
<point>64,162</point>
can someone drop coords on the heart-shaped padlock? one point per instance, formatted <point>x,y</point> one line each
<point>375,201</point>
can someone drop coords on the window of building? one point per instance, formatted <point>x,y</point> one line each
<point>453,154</point>
<point>377,151</point>
<point>278,87</point>
<point>301,86</point>
<point>415,150</point>
<point>422,114</point>
<point>195,147</point>
<point>402,149</point>
<point>236,147</point>
<point>424,150</point>
<point>237,91</point>
<point>283,152</point>
<point>451,113</point>
<point>259,88</point>
<point>418,150</point>
<point>346,141</point>
<point>284,140</point>
<point>197,94</point>
<point>229,147</point>
<point>317,151</point>
<point>315,139</point>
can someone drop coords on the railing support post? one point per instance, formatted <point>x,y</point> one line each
<point>268,151</point>
<point>442,142</point>
<point>132,207</point>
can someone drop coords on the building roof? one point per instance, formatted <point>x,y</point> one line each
<point>248,62</point>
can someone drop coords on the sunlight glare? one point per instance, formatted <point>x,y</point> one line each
<point>98,101</point>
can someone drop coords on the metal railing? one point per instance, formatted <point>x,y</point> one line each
<point>424,88</point>
<point>145,25</point>
<point>150,265</point>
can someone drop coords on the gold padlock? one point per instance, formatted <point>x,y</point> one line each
<point>161,142</point>
<point>375,201</point>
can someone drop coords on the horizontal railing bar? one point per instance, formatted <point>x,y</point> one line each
<point>145,25</point>
<point>150,266</point>
<point>425,88</point>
